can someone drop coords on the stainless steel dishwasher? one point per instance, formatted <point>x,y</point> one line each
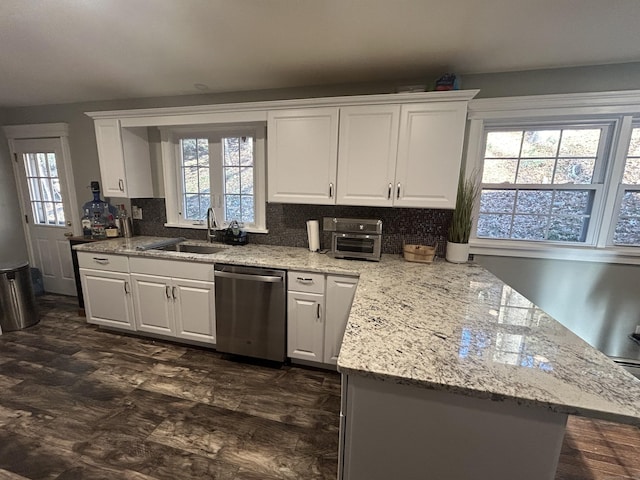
<point>251,311</point>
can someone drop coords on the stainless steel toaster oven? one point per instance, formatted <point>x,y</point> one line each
<point>354,238</point>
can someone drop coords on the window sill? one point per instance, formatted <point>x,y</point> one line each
<point>204,227</point>
<point>574,253</point>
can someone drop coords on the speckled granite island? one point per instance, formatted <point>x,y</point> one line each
<point>448,373</point>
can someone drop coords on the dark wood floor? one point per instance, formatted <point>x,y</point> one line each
<point>80,403</point>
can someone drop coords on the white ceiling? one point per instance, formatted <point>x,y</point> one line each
<point>77,50</point>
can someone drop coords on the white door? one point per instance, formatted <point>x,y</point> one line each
<point>305,326</point>
<point>107,298</point>
<point>43,182</point>
<point>367,154</point>
<point>339,297</point>
<point>153,304</point>
<point>429,154</point>
<point>302,155</point>
<point>194,310</point>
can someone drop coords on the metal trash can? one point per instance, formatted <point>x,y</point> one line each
<point>17,302</point>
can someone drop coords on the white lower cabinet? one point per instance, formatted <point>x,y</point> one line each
<point>107,290</point>
<point>181,306</point>
<point>318,310</point>
<point>174,306</point>
<point>107,298</point>
<point>305,336</point>
<point>153,304</point>
<point>338,299</point>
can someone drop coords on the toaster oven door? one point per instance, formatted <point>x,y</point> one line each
<point>352,245</point>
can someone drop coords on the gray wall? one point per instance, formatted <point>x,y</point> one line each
<point>12,241</point>
<point>623,76</point>
<point>581,306</point>
<point>597,301</point>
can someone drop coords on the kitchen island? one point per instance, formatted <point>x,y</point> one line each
<point>448,372</point>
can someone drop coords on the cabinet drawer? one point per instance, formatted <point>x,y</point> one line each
<point>305,282</point>
<point>103,261</point>
<point>172,268</point>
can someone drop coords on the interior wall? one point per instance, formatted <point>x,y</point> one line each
<point>12,241</point>
<point>597,301</point>
<point>598,78</point>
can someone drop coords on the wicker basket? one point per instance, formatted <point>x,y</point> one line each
<point>419,253</point>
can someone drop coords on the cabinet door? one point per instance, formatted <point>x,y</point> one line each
<point>339,297</point>
<point>111,157</point>
<point>153,304</point>
<point>367,154</point>
<point>302,155</point>
<point>305,326</point>
<point>194,310</point>
<point>107,298</point>
<point>429,154</point>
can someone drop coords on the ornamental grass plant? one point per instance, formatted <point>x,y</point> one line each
<point>468,191</point>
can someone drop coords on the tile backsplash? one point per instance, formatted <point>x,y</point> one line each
<point>287,224</point>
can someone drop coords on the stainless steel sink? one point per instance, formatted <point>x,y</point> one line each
<point>187,248</point>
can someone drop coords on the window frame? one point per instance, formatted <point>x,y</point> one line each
<point>596,185</point>
<point>622,188</point>
<point>620,109</point>
<point>171,160</point>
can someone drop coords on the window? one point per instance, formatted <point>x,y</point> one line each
<point>44,188</point>
<point>559,176</point>
<point>222,168</point>
<point>627,230</point>
<point>540,183</point>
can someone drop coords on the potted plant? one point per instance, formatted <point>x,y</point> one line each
<point>460,229</point>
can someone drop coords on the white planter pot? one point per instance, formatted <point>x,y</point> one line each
<point>457,252</point>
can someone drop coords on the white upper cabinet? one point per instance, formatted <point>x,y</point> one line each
<point>384,155</point>
<point>429,154</point>
<point>123,154</point>
<point>367,154</point>
<point>302,148</point>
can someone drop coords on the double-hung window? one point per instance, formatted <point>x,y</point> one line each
<point>559,176</point>
<point>541,183</point>
<point>218,167</point>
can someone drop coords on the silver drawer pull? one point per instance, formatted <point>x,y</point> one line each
<point>102,261</point>
<point>305,280</point>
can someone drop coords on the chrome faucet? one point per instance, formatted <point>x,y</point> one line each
<point>212,225</point>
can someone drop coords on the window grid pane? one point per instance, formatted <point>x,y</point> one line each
<point>44,188</point>
<point>195,176</point>
<point>532,214</point>
<point>627,229</point>
<point>523,173</point>
<point>238,179</point>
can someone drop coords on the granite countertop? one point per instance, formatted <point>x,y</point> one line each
<point>448,327</point>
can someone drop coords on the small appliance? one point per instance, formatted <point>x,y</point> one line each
<point>354,238</point>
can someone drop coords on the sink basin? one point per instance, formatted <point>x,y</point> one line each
<point>186,248</point>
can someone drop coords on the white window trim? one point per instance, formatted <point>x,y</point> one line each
<point>171,171</point>
<point>620,107</point>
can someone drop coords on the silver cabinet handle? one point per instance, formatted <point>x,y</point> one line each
<point>331,190</point>
<point>167,291</point>
<point>101,261</point>
<point>173,293</point>
<point>389,192</point>
<point>304,280</point>
<point>318,312</point>
<point>121,184</point>
<point>126,287</point>
<point>398,192</point>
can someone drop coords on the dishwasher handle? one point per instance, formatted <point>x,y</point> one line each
<point>250,277</point>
